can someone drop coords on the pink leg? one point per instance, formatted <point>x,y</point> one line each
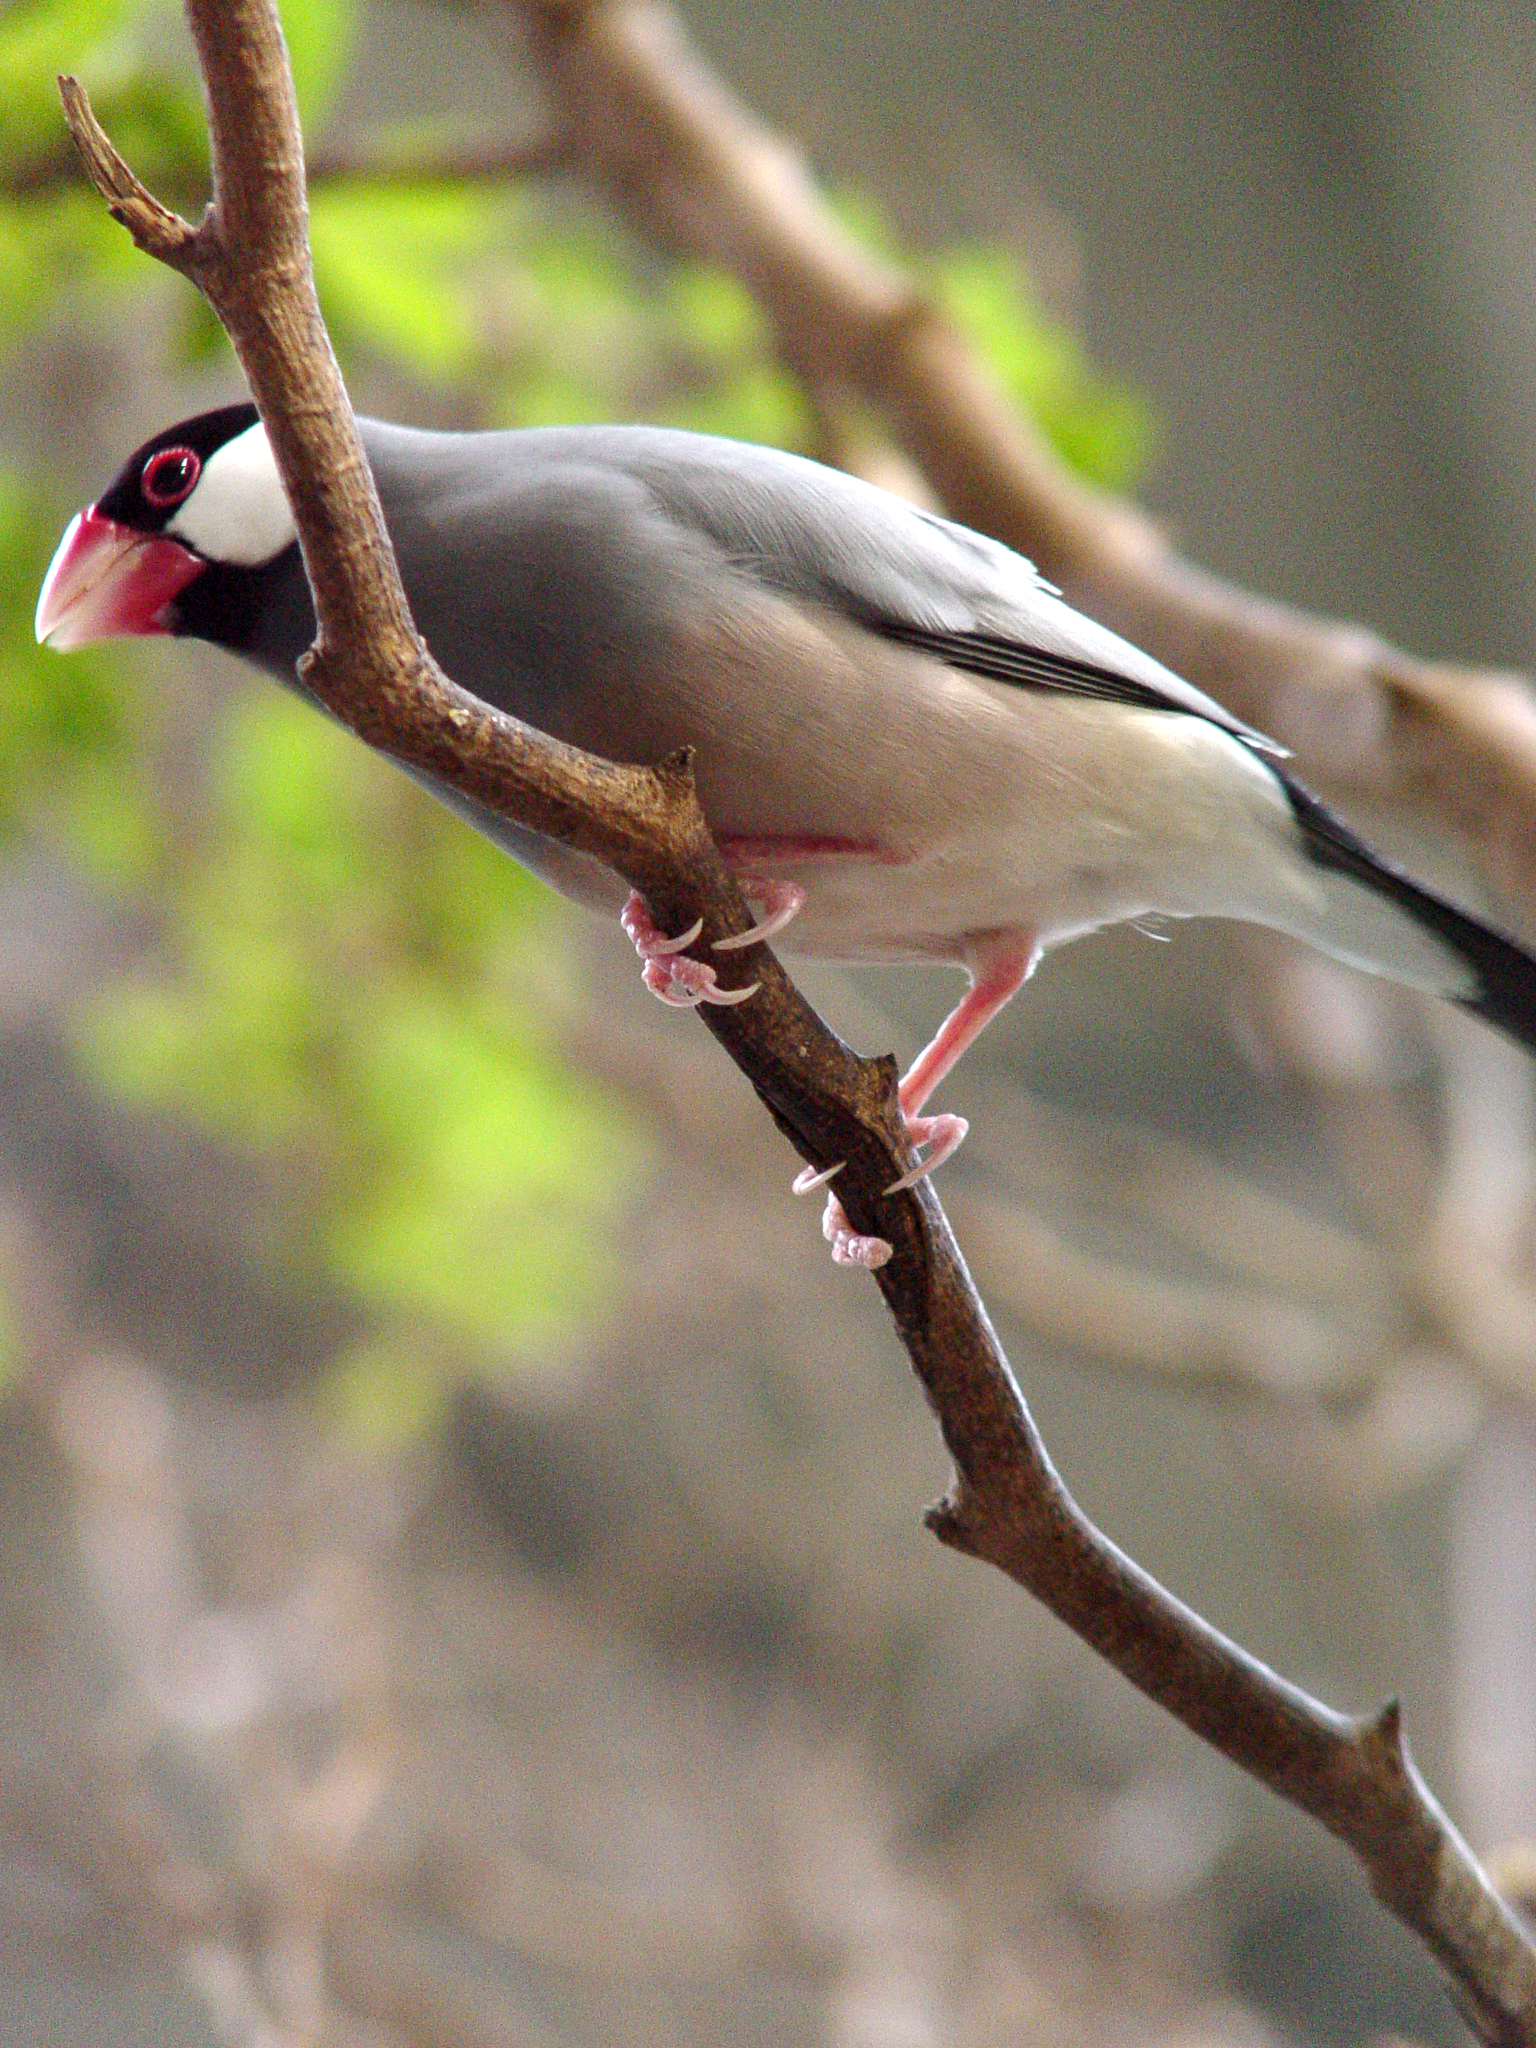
<point>668,973</point>
<point>1001,966</point>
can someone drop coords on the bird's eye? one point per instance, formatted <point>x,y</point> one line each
<point>169,476</point>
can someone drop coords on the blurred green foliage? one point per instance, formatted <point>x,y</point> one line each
<point>352,999</point>
<point>63,734</point>
<point>1102,429</point>
<point>54,234</point>
<point>350,985</point>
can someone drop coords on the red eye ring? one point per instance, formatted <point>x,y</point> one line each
<point>169,476</point>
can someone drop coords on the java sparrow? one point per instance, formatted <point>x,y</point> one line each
<point>907,746</point>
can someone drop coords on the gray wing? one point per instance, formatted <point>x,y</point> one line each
<point>806,531</point>
<point>902,572</point>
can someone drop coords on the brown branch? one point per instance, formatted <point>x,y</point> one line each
<point>691,169</point>
<point>155,228</point>
<point>370,667</point>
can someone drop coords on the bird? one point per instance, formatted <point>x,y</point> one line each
<point>907,745</point>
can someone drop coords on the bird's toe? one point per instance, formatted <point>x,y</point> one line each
<point>667,971</point>
<point>849,1246</point>
<point>943,1134</point>
<point>778,903</point>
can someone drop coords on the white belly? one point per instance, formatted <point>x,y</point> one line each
<point>1073,816</point>
<point>976,807</point>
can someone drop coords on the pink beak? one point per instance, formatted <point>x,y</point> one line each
<point>107,582</point>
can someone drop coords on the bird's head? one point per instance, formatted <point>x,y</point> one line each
<point>183,540</point>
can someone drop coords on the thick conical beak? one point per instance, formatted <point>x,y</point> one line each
<point>107,582</point>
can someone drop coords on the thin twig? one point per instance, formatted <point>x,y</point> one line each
<point>1008,1507</point>
<point>154,227</point>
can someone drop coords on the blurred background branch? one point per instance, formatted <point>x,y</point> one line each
<point>395,159</point>
<point>691,169</point>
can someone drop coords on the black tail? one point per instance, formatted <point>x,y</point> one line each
<point>1497,980</point>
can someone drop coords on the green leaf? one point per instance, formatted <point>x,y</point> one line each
<point>761,403</point>
<point>1101,428</point>
<point>509,1277</point>
<point>67,771</point>
<point>867,221</point>
<point>347,1003</point>
<point>101,817</point>
<point>40,40</point>
<point>714,314</point>
<point>289,781</point>
<point>48,246</point>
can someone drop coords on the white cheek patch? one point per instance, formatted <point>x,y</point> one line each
<point>237,512</point>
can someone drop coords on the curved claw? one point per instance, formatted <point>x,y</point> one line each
<point>945,1133</point>
<point>669,987</point>
<point>728,996</point>
<point>785,901</point>
<point>687,983</point>
<point>658,948</point>
<point>643,934</point>
<point>681,982</point>
<point>808,1180</point>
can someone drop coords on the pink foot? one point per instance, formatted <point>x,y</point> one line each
<point>945,1134</point>
<point>1000,966</point>
<point>848,1247</point>
<point>668,973</point>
